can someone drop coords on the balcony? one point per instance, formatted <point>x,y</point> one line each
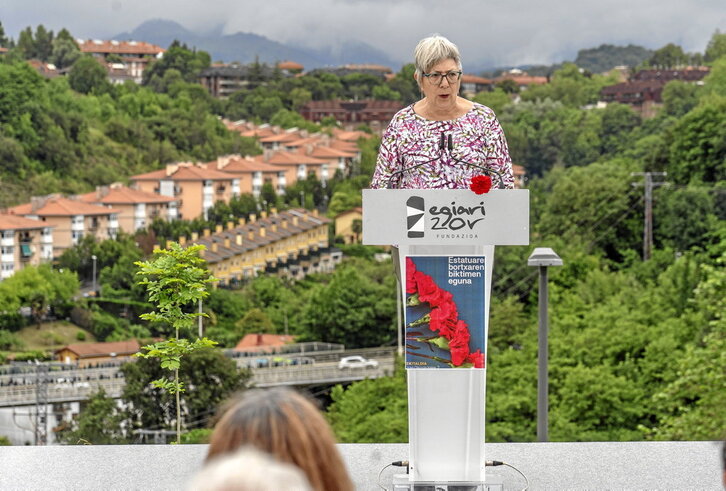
<point>26,251</point>
<point>566,465</point>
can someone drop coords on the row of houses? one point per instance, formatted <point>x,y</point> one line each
<point>643,90</point>
<point>290,244</point>
<point>44,228</point>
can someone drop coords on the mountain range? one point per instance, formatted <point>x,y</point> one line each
<point>245,47</point>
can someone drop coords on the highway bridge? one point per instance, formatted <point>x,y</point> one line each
<point>26,385</point>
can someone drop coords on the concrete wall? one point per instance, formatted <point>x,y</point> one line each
<point>557,466</point>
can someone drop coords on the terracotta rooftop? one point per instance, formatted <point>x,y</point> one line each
<point>328,152</point>
<point>90,350</point>
<point>473,79</point>
<point>255,342</point>
<point>351,136</point>
<point>522,79</point>
<point>281,137</point>
<point>123,195</point>
<point>310,140</point>
<point>236,164</point>
<point>14,222</point>
<point>289,65</point>
<point>119,47</point>
<point>184,172</point>
<point>59,206</point>
<point>294,158</point>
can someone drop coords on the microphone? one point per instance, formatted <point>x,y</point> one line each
<point>487,170</point>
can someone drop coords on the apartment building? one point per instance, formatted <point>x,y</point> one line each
<point>298,165</point>
<point>134,56</point>
<point>23,242</point>
<point>376,114</point>
<point>292,244</point>
<point>253,173</point>
<point>70,220</point>
<point>348,225</point>
<point>643,92</point>
<point>196,187</point>
<point>472,85</point>
<point>136,209</point>
<point>522,79</point>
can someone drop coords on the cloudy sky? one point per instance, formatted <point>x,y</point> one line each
<point>497,32</point>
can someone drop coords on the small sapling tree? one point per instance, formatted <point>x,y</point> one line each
<point>174,280</point>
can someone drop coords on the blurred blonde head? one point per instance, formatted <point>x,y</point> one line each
<point>288,426</point>
<point>249,470</point>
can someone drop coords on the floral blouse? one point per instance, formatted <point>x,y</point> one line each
<point>422,154</point>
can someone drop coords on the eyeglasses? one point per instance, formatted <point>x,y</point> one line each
<point>436,78</point>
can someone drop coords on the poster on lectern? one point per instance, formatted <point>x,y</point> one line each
<point>444,315</point>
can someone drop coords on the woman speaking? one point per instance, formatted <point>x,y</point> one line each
<point>443,140</point>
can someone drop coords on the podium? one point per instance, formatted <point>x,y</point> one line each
<point>445,240</point>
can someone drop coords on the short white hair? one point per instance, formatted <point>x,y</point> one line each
<point>431,50</point>
<point>249,469</point>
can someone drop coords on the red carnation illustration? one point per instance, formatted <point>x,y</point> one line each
<point>451,333</point>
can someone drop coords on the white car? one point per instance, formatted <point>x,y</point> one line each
<point>356,362</point>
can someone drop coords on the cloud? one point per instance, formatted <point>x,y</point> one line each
<point>499,32</point>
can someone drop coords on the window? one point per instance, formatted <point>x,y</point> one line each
<point>8,234</point>
<point>8,267</point>
<point>7,250</point>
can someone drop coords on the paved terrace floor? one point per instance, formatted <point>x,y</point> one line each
<point>549,466</point>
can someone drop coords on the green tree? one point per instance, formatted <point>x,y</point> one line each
<point>679,97</point>
<point>3,38</point>
<point>210,376</point>
<point>508,86</point>
<point>372,410</point>
<point>299,97</point>
<point>88,75</point>
<point>65,52</point>
<point>385,93</point>
<point>716,47</point>
<point>496,99</point>
<point>26,44</point>
<point>100,422</point>
<point>669,56</point>
<point>174,280</point>
<point>254,321</point>
<point>41,288</point>
<point>188,63</point>
<point>404,83</point>
<point>356,308</point>
<point>43,43</point>
<point>698,148</point>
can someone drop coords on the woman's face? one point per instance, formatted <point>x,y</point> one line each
<point>443,94</point>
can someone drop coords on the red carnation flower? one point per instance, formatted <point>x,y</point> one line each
<point>459,343</point>
<point>410,281</point>
<point>443,319</point>
<point>427,289</point>
<point>476,358</point>
<point>481,184</point>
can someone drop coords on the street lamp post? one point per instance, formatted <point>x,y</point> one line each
<point>543,257</point>
<point>94,274</point>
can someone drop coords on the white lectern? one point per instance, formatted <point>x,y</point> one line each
<point>449,236</point>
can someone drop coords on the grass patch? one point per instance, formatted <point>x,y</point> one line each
<point>52,335</point>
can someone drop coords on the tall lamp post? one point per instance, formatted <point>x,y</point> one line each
<point>543,257</point>
<point>94,274</point>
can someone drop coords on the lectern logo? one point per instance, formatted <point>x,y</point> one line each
<point>415,213</point>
